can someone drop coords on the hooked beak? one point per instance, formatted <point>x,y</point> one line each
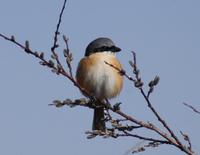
<point>116,49</point>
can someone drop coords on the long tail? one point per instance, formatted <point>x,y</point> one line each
<point>98,119</point>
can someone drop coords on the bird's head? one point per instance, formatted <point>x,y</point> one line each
<point>101,45</point>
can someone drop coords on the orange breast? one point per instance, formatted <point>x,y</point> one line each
<point>98,78</point>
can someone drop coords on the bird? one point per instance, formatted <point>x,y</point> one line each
<point>98,78</point>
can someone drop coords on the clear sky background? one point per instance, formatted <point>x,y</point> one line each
<point>164,34</point>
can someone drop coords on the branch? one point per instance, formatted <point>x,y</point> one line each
<point>147,139</point>
<point>143,148</point>
<point>191,107</point>
<point>187,139</point>
<point>68,55</point>
<point>121,71</point>
<point>55,45</point>
<point>111,133</point>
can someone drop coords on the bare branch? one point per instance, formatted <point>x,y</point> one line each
<point>145,138</point>
<point>68,55</point>
<point>187,138</point>
<point>191,107</point>
<point>121,71</point>
<point>55,45</point>
<point>149,145</point>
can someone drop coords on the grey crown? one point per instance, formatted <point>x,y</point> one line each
<point>100,45</point>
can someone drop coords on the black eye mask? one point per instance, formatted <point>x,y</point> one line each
<point>103,49</point>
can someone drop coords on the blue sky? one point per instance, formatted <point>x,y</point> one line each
<point>165,36</point>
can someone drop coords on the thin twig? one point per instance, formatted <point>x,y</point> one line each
<point>55,45</point>
<point>68,55</point>
<point>145,138</point>
<point>187,138</point>
<point>121,71</point>
<point>160,119</point>
<point>143,148</point>
<point>191,107</point>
